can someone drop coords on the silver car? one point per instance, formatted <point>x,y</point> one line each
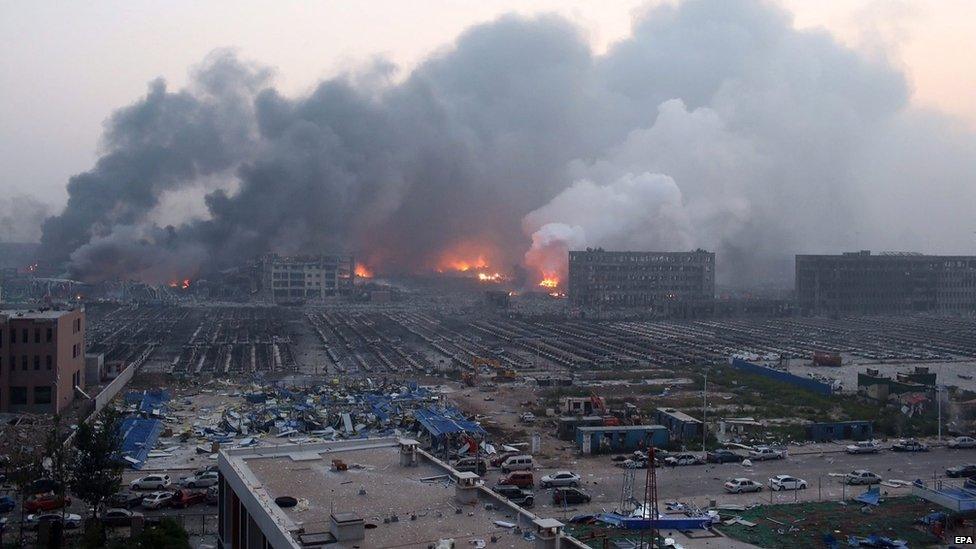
<point>560,478</point>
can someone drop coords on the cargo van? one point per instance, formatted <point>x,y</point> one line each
<point>477,466</point>
<point>518,463</point>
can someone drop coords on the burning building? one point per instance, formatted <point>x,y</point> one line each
<point>599,278</point>
<point>282,279</point>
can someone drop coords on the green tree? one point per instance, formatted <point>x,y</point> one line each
<point>96,470</point>
<point>166,535</point>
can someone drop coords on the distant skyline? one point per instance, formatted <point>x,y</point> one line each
<point>67,66</point>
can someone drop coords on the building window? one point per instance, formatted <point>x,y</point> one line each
<point>42,394</point>
<point>49,362</point>
<point>37,335</point>
<point>23,363</point>
<point>18,396</point>
<point>23,335</point>
<point>13,336</point>
<point>50,334</point>
<point>74,351</point>
<point>37,362</point>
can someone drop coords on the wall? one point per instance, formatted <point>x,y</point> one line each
<point>785,377</point>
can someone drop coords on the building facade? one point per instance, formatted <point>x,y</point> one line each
<point>887,283</point>
<point>42,359</point>
<point>294,278</point>
<point>598,278</point>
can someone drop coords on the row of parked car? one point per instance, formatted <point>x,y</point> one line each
<point>788,482</point>
<point>518,483</point>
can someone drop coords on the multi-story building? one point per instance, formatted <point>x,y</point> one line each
<point>886,283</point>
<point>305,277</point>
<point>599,278</point>
<point>42,359</point>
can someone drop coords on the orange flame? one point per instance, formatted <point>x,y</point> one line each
<point>549,281</point>
<point>186,283</point>
<point>491,277</point>
<point>362,271</point>
<point>462,265</point>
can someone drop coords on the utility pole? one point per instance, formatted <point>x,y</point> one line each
<point>938,397</point>
<point>704,406</point>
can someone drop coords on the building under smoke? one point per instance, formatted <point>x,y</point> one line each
<point>658,280</point>
<point>864,283</point>
<point>297,278</point>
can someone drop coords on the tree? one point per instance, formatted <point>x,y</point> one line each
<point>168,534</point>
<point>24,469</point>
<point>97,466</point>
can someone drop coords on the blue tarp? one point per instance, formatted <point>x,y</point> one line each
<point>148,401</point>
<point>139,436</point>
<point>871,497</point>
<point>444,422</point>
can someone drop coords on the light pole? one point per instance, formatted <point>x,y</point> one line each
<point>704,406</point>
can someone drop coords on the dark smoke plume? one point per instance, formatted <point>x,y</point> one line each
<point>716,124</point>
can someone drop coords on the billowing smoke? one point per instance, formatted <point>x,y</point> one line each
<point>18,218</point>
<point>715,125</point>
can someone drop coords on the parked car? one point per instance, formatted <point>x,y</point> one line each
<point>185,498</point>
<point>786,482</point>
<point>763,453</point>
<point>962,471</point>
<point>569,496</point>
<point>71,520</point>
<point>202,480</point>
<point>117,517</point>
<point>43,485</point>
<point>518,463</point>
<point>741,485</point>
<point>560,478</point>
<point>125,500</point>
<point>157,500</point>
<point>863,447</point>
<point>861,476</point>
<point>909,445</point>
<point>527,417</point>
<point>46,502</point>
<point>213,495</point>
<point>683,459</point>
<point>478,466</point>
<point>500,458</point>
<point>7,504</point>
<point>634,463</point>
<point>207,469</point>
<point>516,495</point>
<point>959,443</point>
<point>522,479</point>
<point>150,482</point>
<point>723,456</point>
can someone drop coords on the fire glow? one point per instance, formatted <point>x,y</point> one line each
<point>550,282</point>
<point>183,285</point>
<point>491,277</point>
<point>362,271</point>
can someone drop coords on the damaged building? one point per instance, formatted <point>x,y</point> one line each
<point>885,283</point>
<point>600,278</point>
<point>281,279</point>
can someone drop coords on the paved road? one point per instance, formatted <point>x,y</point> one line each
<point>701,484</point>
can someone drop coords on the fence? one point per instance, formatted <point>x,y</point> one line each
<point>785,377</point>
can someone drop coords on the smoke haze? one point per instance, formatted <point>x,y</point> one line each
<point>715,125</point>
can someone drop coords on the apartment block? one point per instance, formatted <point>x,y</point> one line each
<point>885,283</point>
<point>305,277</point>
<point>42,359</point>
<point>599,278</point>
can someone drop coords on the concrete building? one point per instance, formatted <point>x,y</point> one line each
<point>886,283</point>
<point>662,280</point>
<point>297,278</point>
<point>42,359</point>
<point>390,493</point>
<point>621,438</point>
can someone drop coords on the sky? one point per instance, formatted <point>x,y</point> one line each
<point>65,67</point>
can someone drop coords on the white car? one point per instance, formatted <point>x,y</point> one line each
<point>683,459</point>
<point>962,442</point>
<point>157,500</point>
<point>861,476</point>
<point>741,485</point>
<point>560,478</point>
<point>762,453</point>
<point>150,482</point>
<point>71,520</point>
<point>786,482</point>
<point>863,447</point>
<point>528,417</point>
<point>202,480</point>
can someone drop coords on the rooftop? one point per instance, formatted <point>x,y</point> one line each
<point>402,506</point>
<point>38,314</point>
